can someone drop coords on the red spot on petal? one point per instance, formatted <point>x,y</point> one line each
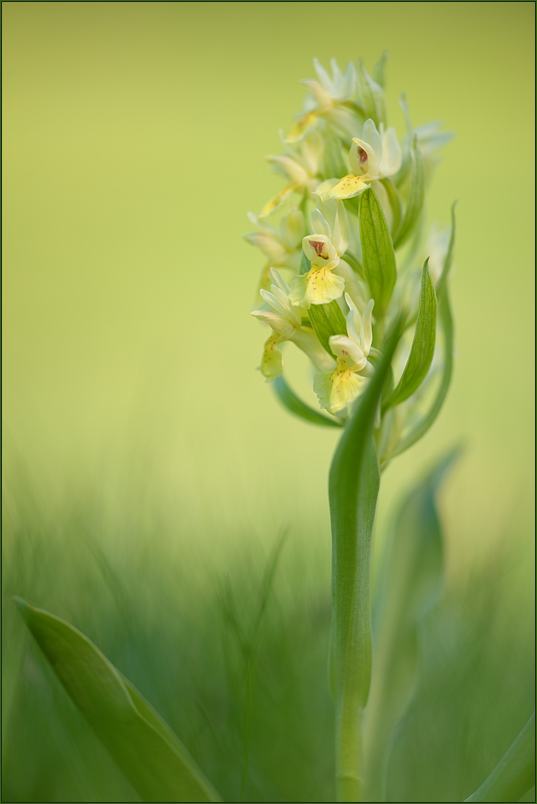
<point>362,154</point>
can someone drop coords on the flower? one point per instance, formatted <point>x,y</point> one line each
<point>374,157</point>
<point>281,247</point>
<point>325,100</point>
<point>323,248</point>
<point>337,389</point>
<point>301,166</point>
<point>285,320</point>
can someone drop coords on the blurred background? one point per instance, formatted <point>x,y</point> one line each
<point>149,472</point>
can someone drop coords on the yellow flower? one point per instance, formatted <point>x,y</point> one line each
<point>301,165</point>
<point>337,389</point>
<point>323,248</point>
<point>325,100</point>
<point>375,156</point>
<point>285,320</point>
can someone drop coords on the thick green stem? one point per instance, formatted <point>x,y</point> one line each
<point>353,490</point>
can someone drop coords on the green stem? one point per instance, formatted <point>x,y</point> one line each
<point>353,491</point>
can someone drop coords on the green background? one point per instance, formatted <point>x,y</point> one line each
<point>134,136</point>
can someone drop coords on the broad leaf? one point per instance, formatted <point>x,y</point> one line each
<point>327,320</point>
<point>295,405</point>
<point>377,249</point>
<point>422,349</point>
<point>415,199</point>
<point>514,774</point>
<point>353,489</point>
<point>408,586</point>
<point>146,750</point>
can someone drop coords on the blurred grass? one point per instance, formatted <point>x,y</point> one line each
<point>235,658</point>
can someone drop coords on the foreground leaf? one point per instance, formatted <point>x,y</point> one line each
<point>377,249</point>
<point>353,490</point>
<point>422,350</point>
<point>514,774</point>
<point>146,750</point>
<point>408,587</point>
<point>295,405</point>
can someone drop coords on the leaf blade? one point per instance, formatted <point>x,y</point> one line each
<point>422,350</point>
<point>295,405</point>
<point>416,196</point>
<point>378,254</point>
<point>327,320</point>
<point>417,432</point>
<point>148,753</point>
<point>514,774</point>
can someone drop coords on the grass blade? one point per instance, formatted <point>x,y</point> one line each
<point>514,774</point>
<point>148,753</point>
<point>409,585</point>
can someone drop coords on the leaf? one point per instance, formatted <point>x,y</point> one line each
<point>370,95</point>
<point>514,774</point>
<point>295,405</point>
<point>146,750</point>
<point>379,69</point>
<point>415,199</point>
<point>378,254</point>
<point>449,256</point>
<point>395,204</point>
<point>419,430</point>
<point>334,165</point>
<point>305,264</point>
<point>408,587</point>
<point>422,349</point>
<point>353,490</point>
<point>327,320</point>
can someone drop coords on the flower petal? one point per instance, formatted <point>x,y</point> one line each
<point>348,187</point>
<point>348,351</point>
<point>346,386</point>
<point>272,360</point>
<point>277,201</point>
<point>299,129</point>
<point>323,286</point>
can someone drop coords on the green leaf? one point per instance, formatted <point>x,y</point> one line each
<point>355,263</point>
<point>408,587</point>
<point>395,204</point>
<point>449,256</point>
<point>422,349</point>
<point>419,430</point>
<point>353,490</point>
<point>415,199</point>
<point>334,165</point>
<point>295,405</point>
<point>305,264</point>
<point>370,95</point>
<point>379,70</point>
<point>146,750</point>
<point>514,774</point>
<point>377,248</point>
<point>327,320</point>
